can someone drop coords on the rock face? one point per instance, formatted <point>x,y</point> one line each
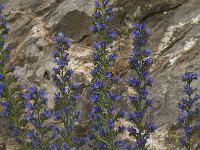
<point>175,43</point>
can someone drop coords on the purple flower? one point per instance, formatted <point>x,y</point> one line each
<point>110,110</point>
<point>116,78</point>
<point>32,89</point>
<point>42,93</point>
<point>121,128</point>
<point>96,14</point>
<point>108,18</point>
<point>189,76</point>
<point>65,146</point>
<point>93,97</point>
<point>146,52</point>
<point>119,142</point>
<point>143,92</point>
<point>110,122</point>
<point>97,83</point>
<point>107,74</point>
<point>112,34</point>
<point>28,105</point>
<point>133,97</point>
<point>181,141</point>
<point>55,114</point>
<point>149,102</point>
<point>1,76</point>
<point>46,113</point>
<point>29,134</point>
<point>73,85</point>
<point>100,25</point>
<point>53,147</point>
<point>102,131</point>
<point>29,116</point>
<point>133,82</point>
<point>96,45</point>
<point>131,130</point>
<point>121,113</point>
<point>109,10</point>
<point>95,108</point>
<point>150,126</point>
<point>65,110</point>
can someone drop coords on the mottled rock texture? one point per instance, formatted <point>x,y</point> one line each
<point>175,43</point>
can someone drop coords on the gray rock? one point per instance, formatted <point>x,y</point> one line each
<point>175,42</point>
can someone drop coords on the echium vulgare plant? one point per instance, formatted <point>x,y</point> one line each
<point>140,62</point>
<point>103,134</point>
<point>65,99</point>
<point>189,109</point>
<point>40,133</point>
<point>10,100</point>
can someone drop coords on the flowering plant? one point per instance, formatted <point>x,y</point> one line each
<point>65,99</point>
<point>140,62</point>
<point>189,110</point>
<point>103,98</point>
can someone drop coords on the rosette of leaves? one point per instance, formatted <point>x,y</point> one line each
<point>189,111</point>
<point>140,62</point>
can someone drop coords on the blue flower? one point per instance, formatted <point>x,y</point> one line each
<point>29,116</point>
<point>146,52</point>
<point>29,134</point>
<point>133,97</point>
<point>75,139</point>
<point>110,122</point>
<point>107,74</point>
<point>133,82</point>
<point>53,147</point>
<point>42,93</point>
<point>119,142</point>
<point>46,113</point>
<point>143,92</point>
<point>28,105</point>
<point>73,85</point>
<point>150,126</point>
<point>65,146</point>
<point>181,141</point>
<point>97,83</point>
<point>116,78</point>
<point>100,25</point>
<point>2,86</point>
<point>112,34</point>
<point>131,129</point>
<point>109,10</point>
<point>1,76</point>
<point>108,18</point>
<point>149,102</point>
<point>96,45</point>
<point>121,113</point>
<point>32,89</point>
<point>55,114</point>
<point>102,131</point>
<point>121,128</point>
<point>189,76</point>
<point>65,109</point>
<point>110,109</point>
<point>34,142</point>
<point>96,14</point>
<point>95,108</point>
<point>93,97</point>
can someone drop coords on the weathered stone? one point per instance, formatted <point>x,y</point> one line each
<point>175,44</point>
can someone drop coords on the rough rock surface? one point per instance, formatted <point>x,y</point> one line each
<point>175,43</point>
